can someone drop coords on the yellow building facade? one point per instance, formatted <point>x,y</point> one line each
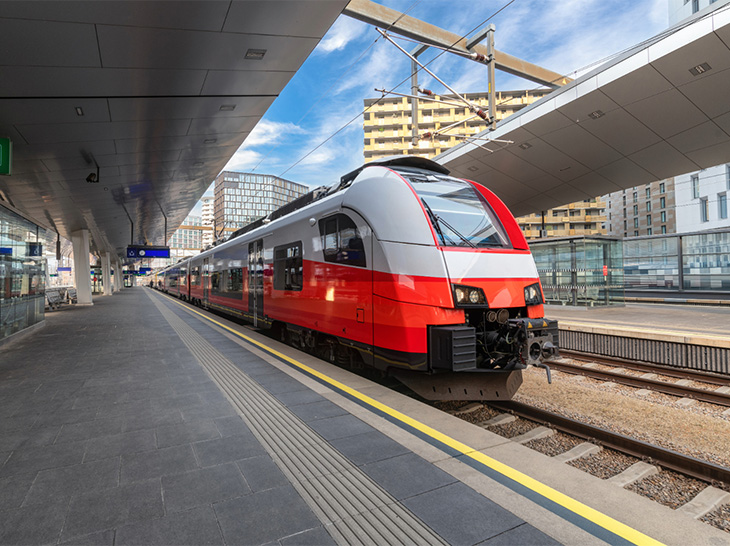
<point>388,131</point>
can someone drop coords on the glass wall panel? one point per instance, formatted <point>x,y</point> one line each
<point>586,271</point>
<point>22,273</point>
<point>651,263</point>
<point>706,261</point>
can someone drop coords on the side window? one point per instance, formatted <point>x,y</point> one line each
<point>288,267</point>
<point>341,242</point>
<point>227,283</point>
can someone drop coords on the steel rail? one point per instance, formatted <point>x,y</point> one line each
<point>663,387</point>
<point>679,373</point>
<point>660,456</point>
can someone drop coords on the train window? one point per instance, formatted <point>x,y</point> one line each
<point>227,283</point>
<point>288,267</point>
<point>341,242</point>
<point>195,276</point>
<point>459,215</point>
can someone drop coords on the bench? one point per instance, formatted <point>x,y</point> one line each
<point>54,299</point>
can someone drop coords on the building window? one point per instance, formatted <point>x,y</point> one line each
<point>624,197</point>
<point>722,205</point>
<point>727,175</point>
<point>664,229</point>
<point>649,231</point>
<point>663,216</point>
<point>704,212</point>
<point>636,222</point>
<point>636,233</point>
<point>695,6</point>
<point>695,186</point>
<point>648,219</point>
<point>648,206</point>
<point>662,202</point>
<point>648,193</point>
<point>625,225</point>
<point>636,210</point>
<point>636,197</point>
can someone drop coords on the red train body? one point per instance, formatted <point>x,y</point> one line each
<point>399,267</point>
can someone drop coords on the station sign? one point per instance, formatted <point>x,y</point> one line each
<point>144,270</point>
<point>6,250</point>
<point>142,251</point>
<point>35,249</point>
<point>61,269</point>
<point>6,156</point>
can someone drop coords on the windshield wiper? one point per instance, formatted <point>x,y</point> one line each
<point>435,222</point>
<point>438,220</point>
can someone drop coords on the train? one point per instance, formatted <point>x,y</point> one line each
<point>398,268</point>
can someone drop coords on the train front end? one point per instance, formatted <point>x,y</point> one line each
<point>493,280</point>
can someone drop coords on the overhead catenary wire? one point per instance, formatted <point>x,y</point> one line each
<point>510,2</point>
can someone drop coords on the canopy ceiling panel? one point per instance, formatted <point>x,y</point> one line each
<point>158,95</point>
<point>656,111</point>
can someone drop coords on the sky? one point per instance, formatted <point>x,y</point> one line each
<point>313,134</point>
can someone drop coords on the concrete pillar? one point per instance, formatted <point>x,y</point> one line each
<point>82,266</point>
<point>118,276</point>
<point>106,273</point>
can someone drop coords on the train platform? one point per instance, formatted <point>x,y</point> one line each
<point>689,324</point>
<point>140,420</point>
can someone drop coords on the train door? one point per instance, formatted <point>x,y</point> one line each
<point>256,280</point>
<point>206,275</point>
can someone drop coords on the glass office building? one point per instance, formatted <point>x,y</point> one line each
<point>22,273</point>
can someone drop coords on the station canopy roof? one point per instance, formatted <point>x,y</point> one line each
<point>659,110</point>
<point>158,94</point>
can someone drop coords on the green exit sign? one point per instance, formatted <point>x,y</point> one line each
<point>6,156</point>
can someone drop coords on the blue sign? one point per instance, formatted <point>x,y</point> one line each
<point>35,249</point>
<point>7,250</point>
<point>144,270</point>
<point>148,252</point>
<point>63,269</point>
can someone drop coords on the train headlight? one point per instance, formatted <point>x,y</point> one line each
<point>533,296</point>
<point>466,296</point>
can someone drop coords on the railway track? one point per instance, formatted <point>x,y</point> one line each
<point>662,457</point>
<point>649,382</point>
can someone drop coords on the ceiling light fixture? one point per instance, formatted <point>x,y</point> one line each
<point>472,169</point>
<point>210,141</point>
<point>227,107</point>
<point>525,145</point>
<point>700,69</point>
<point>597,114</point>
<point>79,111</point>
<point>255,54</point>
<point>198,164</point>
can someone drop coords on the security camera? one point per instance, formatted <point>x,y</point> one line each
<point>91,179</point>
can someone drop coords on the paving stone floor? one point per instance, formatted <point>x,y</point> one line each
<point>112,433</point>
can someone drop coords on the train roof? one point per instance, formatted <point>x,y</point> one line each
<point>412,162</point>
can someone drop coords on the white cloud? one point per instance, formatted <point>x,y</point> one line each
<point>242,160</point>
<point>341,33</point>
<point>383,67</point>
<point>268,132</point>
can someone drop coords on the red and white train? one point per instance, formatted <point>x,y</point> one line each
<point>400,267</point>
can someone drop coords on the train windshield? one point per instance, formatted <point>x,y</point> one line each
<point>459,215</point>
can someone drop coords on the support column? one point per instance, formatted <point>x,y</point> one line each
<point>106,273</point>
<point>118,276</point>
<point>82,266</point>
